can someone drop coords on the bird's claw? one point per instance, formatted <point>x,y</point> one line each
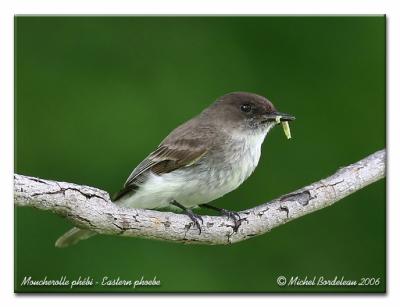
<point>234,216</point>
<point>195,219</point>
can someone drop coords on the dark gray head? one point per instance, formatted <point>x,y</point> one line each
<point>244,111</point>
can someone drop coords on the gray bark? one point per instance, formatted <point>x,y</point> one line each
<point>91,208</point>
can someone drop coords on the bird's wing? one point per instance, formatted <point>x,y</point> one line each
<point>166,158</point>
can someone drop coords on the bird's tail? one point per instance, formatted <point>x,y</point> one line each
<point>73,236</point>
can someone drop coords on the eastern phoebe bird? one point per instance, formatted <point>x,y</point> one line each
<point>200,161</point>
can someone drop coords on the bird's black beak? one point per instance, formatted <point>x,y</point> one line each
<point>283,116</point>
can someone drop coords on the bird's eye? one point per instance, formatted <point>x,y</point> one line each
<point>245,108</point>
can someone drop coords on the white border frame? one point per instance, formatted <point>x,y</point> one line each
<point>283,7</point>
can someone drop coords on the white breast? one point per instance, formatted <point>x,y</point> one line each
<point>246,157</point>
<point>192,187</point>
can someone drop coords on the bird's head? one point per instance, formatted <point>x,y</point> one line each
<point>247,112</point>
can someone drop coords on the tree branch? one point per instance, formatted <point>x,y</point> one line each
<point>91,208</point>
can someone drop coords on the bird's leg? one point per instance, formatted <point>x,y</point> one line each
<point>230,214</point>
<point>194,217</point>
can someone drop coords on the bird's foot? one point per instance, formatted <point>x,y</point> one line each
<point>233,216</point>
<point>230,214</point>
<point>195,218</point>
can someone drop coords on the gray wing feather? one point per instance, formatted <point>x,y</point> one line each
<point>181,148</point>
<point>162,160</point>
<point>151,160</point>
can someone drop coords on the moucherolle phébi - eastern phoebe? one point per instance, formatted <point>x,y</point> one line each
<point>201,160</point>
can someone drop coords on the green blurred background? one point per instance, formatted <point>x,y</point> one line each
<point>94,95</point>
